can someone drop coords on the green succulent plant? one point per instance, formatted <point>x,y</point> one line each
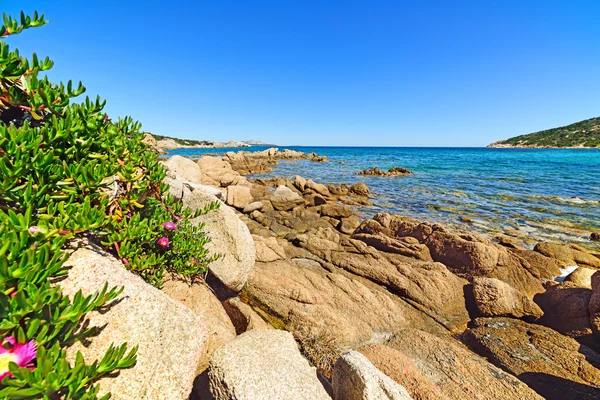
<point>67,171</point>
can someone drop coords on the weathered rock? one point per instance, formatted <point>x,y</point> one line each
<point>495,298</point>
<point>284,199</point>
<point>355,378</point>
<point>428,286</point>
<point>238,196</point>
<point>150,141</point>
<point>338,190</point>
<point>318,200</point>
<point>594,305</point>
<point>401,369</point>
<point>406,246</point>
<point>351,309</point>
<point>336,211</point>
<point>243,317</point>
<point>268,249</point>
<point>555,366</point>
<point>568,255</point>
<point>218,193</point>
<point>184,169</point>
<point>566,309</point>
<point>456,371</point>
<point>177,188</point>
<point>229,237</point>
<point>263,364</point>
<point>317,187</point>
<point>141,316</point>
<point>300,183</point>
<point>218,172</point>
<point>595,236</point>
<point>202,301</point>
<point>360,189</point>
<point>254,206</point>
<point>581,277</point>
<point>348,225</point>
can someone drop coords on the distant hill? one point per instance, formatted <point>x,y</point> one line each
<point>184,142</point>
<point>580,134</point>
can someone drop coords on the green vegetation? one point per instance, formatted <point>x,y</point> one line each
<point>580,134</point>
<point>67,171</point>
<point>185,142</point>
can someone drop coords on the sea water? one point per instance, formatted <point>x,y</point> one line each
<point>540,194</point>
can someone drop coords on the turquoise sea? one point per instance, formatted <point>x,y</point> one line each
<point>539,194</point>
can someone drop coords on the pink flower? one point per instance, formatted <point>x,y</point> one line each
<point>106,118</point>
<point>163,242</point>
<point>20,354</point>
<point>33,230</point>
<point>170,226</point>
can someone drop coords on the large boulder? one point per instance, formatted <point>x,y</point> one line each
<point>218,172</point>
<point>202,301</point>
<point>183,169</point>
<point>238,196</point>
<point>555,366</point>
<point>581,277</point>
<point>360,189</point>
<point>263,364</point>
<point>566,308</point>
<point>171,338</point>
<point>355,378</point>
<point>568,255</point>
<point>352,310</point>
<point>317,188</point>
<point>229,237</point>
<point>284,199</point>
<point>456,371</point>
<point>495,298</point>
<point>401,369</point>
<point>337,211</point>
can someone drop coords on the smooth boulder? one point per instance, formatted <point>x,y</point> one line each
<point>263,364</point>
<point>183,169</point>
<point>229,236</point>
<point>284,199</point>
<point>171,338</point>
<point>495,298</point>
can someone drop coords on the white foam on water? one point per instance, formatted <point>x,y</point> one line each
<point>564,272</point>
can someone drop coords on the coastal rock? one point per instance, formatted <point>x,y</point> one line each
<point>402,370</point>
<point>284,199</point>
<point>300,183</point>
<point>406,246</point>
<point>141,316</point>
<point>263,364</point>
<point>219,173</point>
<point>243,317</point>
<point>595,236</point>
<point>555,366</point>
<point>202,301</point>
<point>395,171</point>
<point>360,189</point>
<point>268,249</point>
<point>495,298</point>
<point>355,378</point>
<point>568,255</point>
<point>205,188</point>
<point>254,206</point>
<point>581,277</point>
<point>229,237</point>
<point>238,196</point>
<point>150,141</point>
<point>457,372</point>
<point>349,225</point>
<point>177,188</point>
<point>594,305</point>
<point>183,169</point>
<point>349,309</point>
<point>317,187</point>
<point>565,309</point>
<point>336,211</point>
<point>338,190</point>
<point>428,286</point>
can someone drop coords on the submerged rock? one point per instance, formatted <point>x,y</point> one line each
<point>395,171</point>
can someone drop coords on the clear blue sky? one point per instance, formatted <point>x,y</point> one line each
<point>397,73</point>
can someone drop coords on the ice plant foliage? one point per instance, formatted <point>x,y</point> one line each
<point>20,354</point>
<point>67,170</point>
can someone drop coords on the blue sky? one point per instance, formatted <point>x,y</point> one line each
<point>375,73</point>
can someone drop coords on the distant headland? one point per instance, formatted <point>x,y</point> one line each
<point>583,134</point>
<point>171,143</point>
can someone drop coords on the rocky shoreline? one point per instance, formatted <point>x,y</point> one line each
<point>312,301</point>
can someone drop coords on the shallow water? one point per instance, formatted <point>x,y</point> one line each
<point>543,194</point>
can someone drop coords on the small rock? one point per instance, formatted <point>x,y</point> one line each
<point>349,225</point>
<point>337,211</point>
<point>238,196</point>
<point>494,297</point>
<point>255,206</point>
<point>263,364</point>
<point>300,183</point>
<point>285,199</point>
<point>355,378</point>
<point>595,236</point>
<point>395,171</point>
<point>360,189</point>
<point>317,187</point>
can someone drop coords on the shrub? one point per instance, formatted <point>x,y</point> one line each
<point>68,171</point>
